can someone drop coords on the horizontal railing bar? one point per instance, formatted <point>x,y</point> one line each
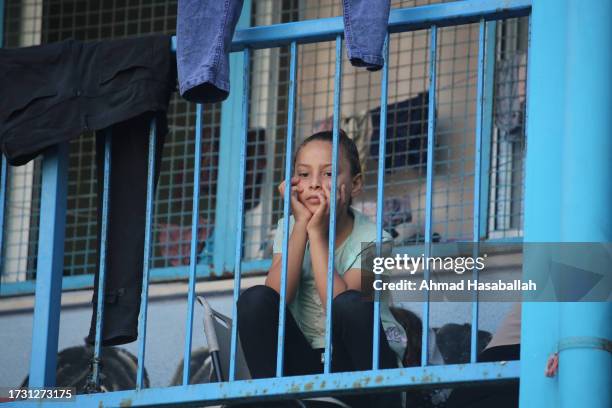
<point>405,19</point>
<point>300,386</point>
<point>400,20</point>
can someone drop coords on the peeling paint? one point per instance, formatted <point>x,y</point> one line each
<point>379,379</point>
<point>308,386</point>
<point>125,403</point>
<point>427,378</point>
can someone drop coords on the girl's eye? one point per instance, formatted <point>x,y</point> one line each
<point>328,174</point>
<point>303,175</point>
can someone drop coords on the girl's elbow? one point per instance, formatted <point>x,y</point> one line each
<point>272,283</point>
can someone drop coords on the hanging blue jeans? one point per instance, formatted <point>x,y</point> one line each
<point>365,28</point>
<point>205,29</point>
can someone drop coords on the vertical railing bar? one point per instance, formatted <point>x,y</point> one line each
<point>194,244</point>
<point>1,23</point>
<point>332,209</point>
<point>102,245</point>
<point>49,267</point>
<point>240,215</point>
<point>3,175</point>
<point>380,194</point>
<point>142,318</point>
<point>477,181</point>
<point>3,169</point>
<point>487,124</point>
<point>287,205</point>
<point>431,133</point>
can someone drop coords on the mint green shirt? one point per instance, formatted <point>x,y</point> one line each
<point>306,307</point>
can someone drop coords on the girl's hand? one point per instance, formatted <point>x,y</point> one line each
<point>341,199</point>
<point>299,210</point>
<point>319,223</point>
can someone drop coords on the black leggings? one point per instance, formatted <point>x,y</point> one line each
<point>352,318</point>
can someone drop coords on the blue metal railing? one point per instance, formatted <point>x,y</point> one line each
<point>280,355</point>
<point>144,297</point>
<point>48,284</point>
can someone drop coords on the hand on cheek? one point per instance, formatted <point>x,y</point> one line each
<point>300,212</point>
<point>341,197</point>
<point>318,225</point>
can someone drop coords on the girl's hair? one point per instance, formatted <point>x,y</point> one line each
<point>345,143</point>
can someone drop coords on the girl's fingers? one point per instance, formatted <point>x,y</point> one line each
<point>295,198</point>
<point>294,183</point>
<point>325,205</point>
<point>322,204</point>
<point>329,194</point>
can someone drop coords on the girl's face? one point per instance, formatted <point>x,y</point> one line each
<point>314,170</point>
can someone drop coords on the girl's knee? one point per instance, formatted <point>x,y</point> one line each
<point>257,299</point>
<point>349,304</point>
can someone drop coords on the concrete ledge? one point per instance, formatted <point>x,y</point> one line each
<point>157,292</point>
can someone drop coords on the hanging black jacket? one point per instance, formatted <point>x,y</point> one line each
<point>52,93</point>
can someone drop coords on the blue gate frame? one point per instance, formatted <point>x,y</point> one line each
<point>553,22</point>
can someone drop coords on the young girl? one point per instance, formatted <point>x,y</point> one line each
<point>352,317</point>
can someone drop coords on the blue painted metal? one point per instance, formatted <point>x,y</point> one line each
<point>585,368</point>
<point>144,296</point>
<point>194,244</point>
<point>405,19</point>
<point>487,123</point>
<point>240,212</point>
<point>49,268</point>
<point>227,178</point>
<point>286,207</point>
<point>543,186</point>
<point>585,373</point>
<point>380,195</point>
<point>297,386</point>
<point>477,180</point>
<point>95,375</point>
<point>431,135</point>
<point>1,23</point>
<point>3,184</point>
<point>3,169</point>
<point>332,209</point>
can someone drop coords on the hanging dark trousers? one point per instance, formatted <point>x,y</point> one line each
<point>126,225</point>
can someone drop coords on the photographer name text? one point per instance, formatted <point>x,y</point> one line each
<point>468,284</point>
